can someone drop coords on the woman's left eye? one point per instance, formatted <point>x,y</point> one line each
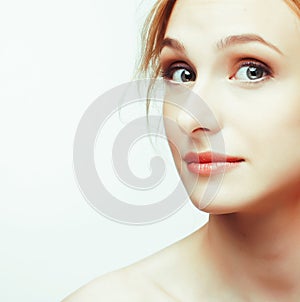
<point>252,72</point>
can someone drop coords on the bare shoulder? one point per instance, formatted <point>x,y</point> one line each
<point>120,286</point>
<point>154,278</point>
<point>165,265</point>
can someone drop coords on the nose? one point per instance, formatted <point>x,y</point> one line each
<point>189,124</point>
<point>195,117</point>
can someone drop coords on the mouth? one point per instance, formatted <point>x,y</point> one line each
<point>208,163</point>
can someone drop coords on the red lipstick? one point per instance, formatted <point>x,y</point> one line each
<point>207,163</point>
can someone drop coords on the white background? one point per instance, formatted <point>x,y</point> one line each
<point>56,57</point>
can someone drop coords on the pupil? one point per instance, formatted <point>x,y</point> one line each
<point>186,76</point>
<point>254,73</point>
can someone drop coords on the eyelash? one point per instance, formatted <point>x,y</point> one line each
<point>168,73</point>
<point>268,73</point>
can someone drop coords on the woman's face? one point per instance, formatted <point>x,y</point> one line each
<point>242,57</point>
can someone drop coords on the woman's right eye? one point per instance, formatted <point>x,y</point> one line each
<point>179,74</point>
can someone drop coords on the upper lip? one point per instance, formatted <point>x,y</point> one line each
<point>209,157</point>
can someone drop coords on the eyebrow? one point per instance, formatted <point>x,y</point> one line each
<point>172,43</point>
<point>223,43</point>
<point>243,39</point>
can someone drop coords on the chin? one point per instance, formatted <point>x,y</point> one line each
<point>222,203</point>
<point>215,209</point>
<point>213,204</point>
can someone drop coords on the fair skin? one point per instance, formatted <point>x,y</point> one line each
<point>249,249</point>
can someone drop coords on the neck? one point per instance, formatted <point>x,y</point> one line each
<point>259,252</point>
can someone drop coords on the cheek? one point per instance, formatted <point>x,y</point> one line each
<point>176,156</point>
<point>264,128</point>
<point>272,138</point>
<point>271,113</point>
<point>281,123</point>
<point>172,132</point>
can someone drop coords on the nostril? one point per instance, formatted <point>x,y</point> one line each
<point>201,129</point>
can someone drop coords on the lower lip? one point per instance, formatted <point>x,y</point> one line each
<point>207,169</point>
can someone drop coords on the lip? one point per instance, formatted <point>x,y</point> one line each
<point>207,163</point>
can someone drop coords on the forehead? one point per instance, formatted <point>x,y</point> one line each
<point>210,20</point>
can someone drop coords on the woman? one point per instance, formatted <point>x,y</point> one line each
<point>242,58</point>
